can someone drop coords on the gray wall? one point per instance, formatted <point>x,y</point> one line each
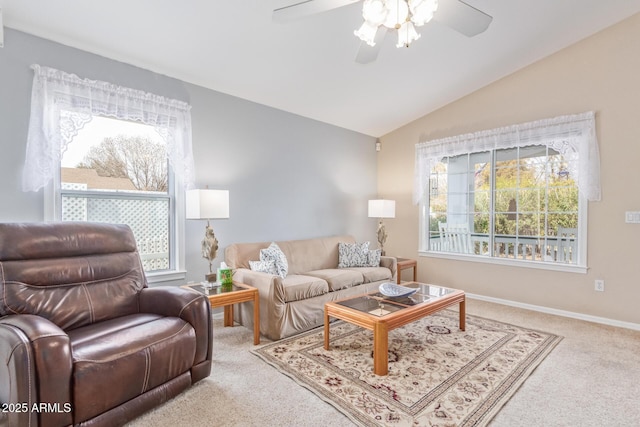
<point>289,177</point>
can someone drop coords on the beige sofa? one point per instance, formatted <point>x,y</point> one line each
<point>295,303</point>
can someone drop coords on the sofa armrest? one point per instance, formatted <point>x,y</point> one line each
<point>392,264</point>
<point>271,294</point>
<point>264,282</point>
<point>36,368</point>
<point>188,305</point>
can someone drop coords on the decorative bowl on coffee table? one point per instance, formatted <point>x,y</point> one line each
<point>392,290</point>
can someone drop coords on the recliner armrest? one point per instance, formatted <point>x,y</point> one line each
<point>188,305</point>
<point>37,366</point>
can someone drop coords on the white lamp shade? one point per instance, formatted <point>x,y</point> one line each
<point>382,208</point>
<point>207,204</point>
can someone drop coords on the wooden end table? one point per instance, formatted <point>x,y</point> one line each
<point>405,263</point>
<point>379,314</point>
<point>226,296</point>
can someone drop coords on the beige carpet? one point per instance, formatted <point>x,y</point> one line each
<point>589,380</point>
<point>438,375</point>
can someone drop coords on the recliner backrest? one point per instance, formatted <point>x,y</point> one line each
<point>72,273</point>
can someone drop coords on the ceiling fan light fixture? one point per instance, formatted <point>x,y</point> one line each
<point>375,11</point>
<point>406,34</point>
<point>398,13</point>
<point>422,11</point>
<point>367,33</point>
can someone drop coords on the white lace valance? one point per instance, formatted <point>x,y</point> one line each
<point>62,103</point>
<point>572,136</point>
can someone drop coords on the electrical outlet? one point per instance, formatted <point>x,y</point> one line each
<point>632,217</point>
<point>599,285</point>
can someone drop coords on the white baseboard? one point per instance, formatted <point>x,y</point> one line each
<point>571,314</point>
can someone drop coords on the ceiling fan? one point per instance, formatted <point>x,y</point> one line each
<point>402,16</point>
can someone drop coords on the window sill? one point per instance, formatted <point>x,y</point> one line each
<point>510,262</point>
<point>166,276</point>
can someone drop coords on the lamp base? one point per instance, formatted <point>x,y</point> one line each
<point>211,277</point>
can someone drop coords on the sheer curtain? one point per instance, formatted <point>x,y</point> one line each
<point>573,136</point>
<point>62,103</point>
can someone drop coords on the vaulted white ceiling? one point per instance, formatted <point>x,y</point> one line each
<point>307,67</point>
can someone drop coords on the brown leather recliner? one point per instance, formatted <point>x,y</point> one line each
<point>83,340</point>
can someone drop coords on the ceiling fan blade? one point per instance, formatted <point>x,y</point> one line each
<point>303,8</point>
<point>461,17</point>
<point>366,53</point>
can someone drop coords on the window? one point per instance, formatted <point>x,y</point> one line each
<point>117,171</point>
<point>517,198</point>
<point>112,154</point>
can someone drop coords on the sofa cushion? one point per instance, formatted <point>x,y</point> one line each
<point>353,254</point>
<point>118,355</point>
<point>338,278</point>
<point>298,287</point>
<point>275,254</point>
<point>373,274</point>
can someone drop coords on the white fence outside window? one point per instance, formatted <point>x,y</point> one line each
<point>562,248</point>
<point>148,219</point>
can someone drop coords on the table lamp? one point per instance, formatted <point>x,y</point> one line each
<point>208,204</point>
<point>382,209</point>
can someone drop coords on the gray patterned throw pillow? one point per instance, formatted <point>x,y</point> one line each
<point>374,258</point>
<point>264,266</point>
<point>275,254</point>
<point>353,254</point>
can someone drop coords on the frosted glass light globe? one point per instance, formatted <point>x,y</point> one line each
<point>422,11</point>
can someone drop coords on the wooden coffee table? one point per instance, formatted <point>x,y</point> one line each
<point>227,296</point>
<point>380,314</point>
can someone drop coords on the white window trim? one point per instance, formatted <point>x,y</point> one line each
<point>569,268</point>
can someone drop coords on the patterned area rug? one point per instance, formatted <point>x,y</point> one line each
<point>438,375</point>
